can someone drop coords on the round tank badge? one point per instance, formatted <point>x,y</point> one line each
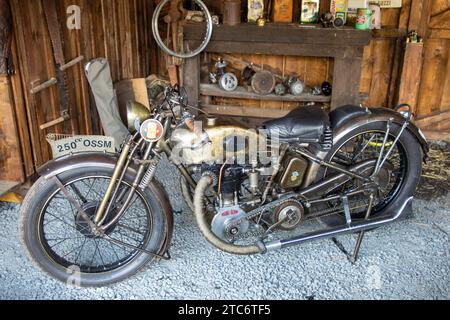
<point>152,130</point>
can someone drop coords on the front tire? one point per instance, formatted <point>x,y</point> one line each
<point>35,237</point>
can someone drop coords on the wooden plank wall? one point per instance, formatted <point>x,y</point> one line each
<point>433,106</point>
<point>10,153</point>
<point>383,66</point>
<point>380,65</point>
<point>119,30</point>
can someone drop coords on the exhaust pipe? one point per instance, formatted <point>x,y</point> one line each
<point>331,233</point>
<point>205,228</point>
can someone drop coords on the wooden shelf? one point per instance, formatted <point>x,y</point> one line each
<point>345,46</point>
<point>241,111</point>
<point>213,90</point>
<point>281,33</point>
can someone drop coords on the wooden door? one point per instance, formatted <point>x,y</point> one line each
<point>426,70</point>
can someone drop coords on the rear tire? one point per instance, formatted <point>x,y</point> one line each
<point>413,154</point>
<point>31,219</point>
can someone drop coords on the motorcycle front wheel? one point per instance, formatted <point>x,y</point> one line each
<point>60,243</point>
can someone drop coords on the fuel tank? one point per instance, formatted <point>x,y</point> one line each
<point>216,140</point>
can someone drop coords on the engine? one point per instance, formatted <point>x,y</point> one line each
<point>241,189</point>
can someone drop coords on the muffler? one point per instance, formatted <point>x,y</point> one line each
<point>351,228</point>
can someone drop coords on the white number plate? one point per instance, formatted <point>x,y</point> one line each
<point>80,144</point>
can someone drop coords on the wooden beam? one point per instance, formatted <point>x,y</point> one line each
<point>429,121</point>
<point>437,135</point>
<point>411,75</point>
<point>439,34</point>
<point>346,90</point>
<point>441,20</point>
<point>293,49</point>
<point>239,111</point>
<point>191,79</point>
<point>420,16</point>
<point>281,33</point>
<point>5,35</point>
<point>405,14</point>
<point>389,33</point>
<point>241,93</point>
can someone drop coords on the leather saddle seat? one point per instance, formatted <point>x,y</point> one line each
<point>304,125</point>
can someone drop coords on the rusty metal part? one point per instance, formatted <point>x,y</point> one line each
<point>232,12</point>
<point>175,16</point>
<point>263,82</point>
<point>248,73</point>
<point>277,169</point>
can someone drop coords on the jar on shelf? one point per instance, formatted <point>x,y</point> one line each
<point>232,12</point>
<point>255,10</point>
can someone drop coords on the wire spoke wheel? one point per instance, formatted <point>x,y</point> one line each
<point>368,146</point>
<point>185,53</point>
<point>67,239</point>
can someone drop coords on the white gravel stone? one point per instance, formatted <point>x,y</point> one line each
<point>408,260</point>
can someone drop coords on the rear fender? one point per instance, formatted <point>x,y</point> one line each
<point>352,122</point>
<point>380,115</point>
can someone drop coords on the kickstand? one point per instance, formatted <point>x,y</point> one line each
<point>354,256</point>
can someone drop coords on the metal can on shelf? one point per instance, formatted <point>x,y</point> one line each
<point>375,21</point>
<point>232,12</point>
<point>364,19</point>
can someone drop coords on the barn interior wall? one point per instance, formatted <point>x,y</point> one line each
<point>120,30</point>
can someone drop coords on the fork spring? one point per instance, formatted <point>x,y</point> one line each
<point>148,177</point>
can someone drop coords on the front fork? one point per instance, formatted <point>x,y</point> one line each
<point>112,193</point>
<point>148,160</point>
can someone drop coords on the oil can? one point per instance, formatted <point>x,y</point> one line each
<point>283,11</point>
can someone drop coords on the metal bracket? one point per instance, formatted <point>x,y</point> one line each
<point>348,215</point>
<point>354,256</point>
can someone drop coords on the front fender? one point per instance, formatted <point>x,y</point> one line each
<point>380,115</point>
<point>77,161</point>
<point>90,160</point>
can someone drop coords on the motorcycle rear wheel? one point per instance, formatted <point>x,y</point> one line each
<point>42,233</point>
<point>411,154</point>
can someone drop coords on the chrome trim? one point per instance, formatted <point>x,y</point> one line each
<point>273,246</point>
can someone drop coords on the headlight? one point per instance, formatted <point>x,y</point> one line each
<point>136,114</point>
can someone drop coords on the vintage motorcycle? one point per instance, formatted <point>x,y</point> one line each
<point>98,218</point>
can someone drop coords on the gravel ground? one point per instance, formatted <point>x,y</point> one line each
<point>408,260</point>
